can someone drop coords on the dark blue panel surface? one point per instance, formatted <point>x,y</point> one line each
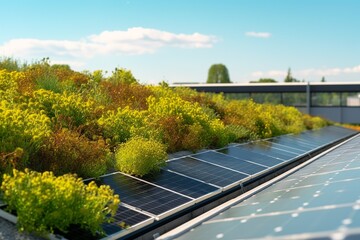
<point>257,157</point>
<point>181,184</point>
<point>318,201</point>
<point>293,142</point>
<point>124,218</point>
<point>142,195</point>
<point>290,147</point>
<point>230,162</point>
<point>204,171</point>
<point>268,149</point>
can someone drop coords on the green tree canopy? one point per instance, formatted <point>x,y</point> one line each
<point>264,80</point>
<point>218,73</point>
<point>289,77</point>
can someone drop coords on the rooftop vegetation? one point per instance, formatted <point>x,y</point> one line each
<point>53,118</point>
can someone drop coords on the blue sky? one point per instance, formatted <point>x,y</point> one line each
<point>178,40</point>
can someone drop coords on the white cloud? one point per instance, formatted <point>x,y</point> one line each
<point>132,41</point>
<point>269,74</point>
<point>307,73</point>
<point>328,71</point>
<point>258,34</point>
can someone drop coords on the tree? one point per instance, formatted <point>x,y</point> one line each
<point>218,73</point>
<point>264,80</point>
<point>323,79</point>
<point>289,77</point>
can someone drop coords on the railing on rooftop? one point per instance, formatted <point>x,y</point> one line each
<point>338,102</point>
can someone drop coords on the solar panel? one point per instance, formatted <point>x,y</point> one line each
<point>293,143</point>
<point>312,145</point>
<point>257,157</point>
<point>205,172</point>
<point>193,178</point>
<point>322,203</point>
<point>182,184</point>
<point>289,146</point>
<point>144,196</point>
<point>230,162</point>
<point>268,149</point>
<point>126,218</point>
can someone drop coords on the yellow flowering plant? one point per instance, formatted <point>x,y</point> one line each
<point>70,105</point>
<point>23,129</point>
<point>9,82</point>
<point>44,202</point>
<point>140,156</point>
<point>119,125</point>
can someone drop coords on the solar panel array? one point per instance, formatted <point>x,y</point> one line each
<point>188,180</point>
<point>319,201</point>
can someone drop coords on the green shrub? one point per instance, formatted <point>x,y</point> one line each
<point>239,133</point>
<point>67,151</point>
<point>140,156</point>
<point>220,134</point>
<point>125,94</point>
<point>175,106</point>
<point>69,106</point>
<point>196,138</point>
<point>48,82</point>
<point>173,132</point>
<point>20,129</point>
<point>9,82</point>
<point>11,64</point>
<point>44,202</point>
<point>314,122</point>
<point>122,75</point>
<point>118,125</point>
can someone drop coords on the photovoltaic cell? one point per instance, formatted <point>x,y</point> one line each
<point>124,217</point>
<point>293,143</point>
<point>204,171</point>
<point>230,162</point>
<point>268,149</point>
<point>318,201</point>
<point>190,178</point>
<point>142,195</point>
<point>298,138</point>
<point>257,157</point>
<point>181,184</point>
<point>288,147</point>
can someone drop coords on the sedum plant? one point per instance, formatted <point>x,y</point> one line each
<point>140,156</point>
<point>64,105</point>
<point>44,202</point>
<point>67,151</point>
<point>20,131</point>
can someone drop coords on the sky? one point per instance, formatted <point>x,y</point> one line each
<point>178,40</point>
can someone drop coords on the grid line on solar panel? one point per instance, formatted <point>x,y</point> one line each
<point>126,217</point>
<point>267,150</point>
<point>219,165</point>
<point>303,202</point>
<point>308,143</point>
<point>231,162</point>
<point>204,171</point>
<point>159,186</point>
<point>242,159</point>
<point>144,196</point>
<point>242,153</point>
<point>181,184</point>
<point>298,150</point>
<point>277,148</point>
<point>293,143</point>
